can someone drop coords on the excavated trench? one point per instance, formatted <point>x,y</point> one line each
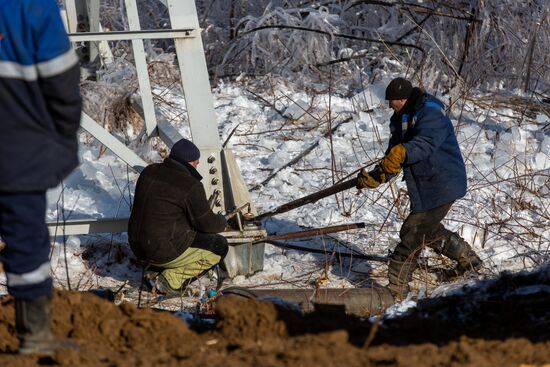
<point>505,323</point>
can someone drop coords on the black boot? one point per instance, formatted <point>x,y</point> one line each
<point>400,270</point>
<point>162,287</point>
<point>455,248</point>
<point>32,322</point>
<point>148,280</point>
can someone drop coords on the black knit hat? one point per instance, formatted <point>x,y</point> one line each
<point>185,151</point>
<point>398,88</point>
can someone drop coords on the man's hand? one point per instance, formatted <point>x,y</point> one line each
<point>370,180</point>
<point>392,162</point>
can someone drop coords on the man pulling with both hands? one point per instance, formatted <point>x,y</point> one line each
<point>422,144</point>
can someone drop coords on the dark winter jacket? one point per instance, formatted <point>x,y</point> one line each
<point>434,169</point>
<point>170,206</point>
<point>39,97</point>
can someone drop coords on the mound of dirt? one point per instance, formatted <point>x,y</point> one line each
<point>511,306</point>
<point>103,331</point>
<point>461,330</point>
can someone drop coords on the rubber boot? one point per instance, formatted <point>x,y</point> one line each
<point>217,275</point>
<point>163,287</point>
<point>149,280</point>
<point>400,270</point>
<point>32,323</point>
<point>455,248</point>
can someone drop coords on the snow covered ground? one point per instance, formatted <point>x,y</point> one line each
<point>505,214</point>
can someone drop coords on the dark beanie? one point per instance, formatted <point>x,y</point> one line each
<point>399,88</point>
<point>185,151</point>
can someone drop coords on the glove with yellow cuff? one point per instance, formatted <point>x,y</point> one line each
<point>392,162</point>
<point>371,179</point>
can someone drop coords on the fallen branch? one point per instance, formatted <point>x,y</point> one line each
<point>337,35</point>
<point>303,154</point>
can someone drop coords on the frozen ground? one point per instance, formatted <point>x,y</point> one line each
<point>499,322</point>
<point>505,214</point>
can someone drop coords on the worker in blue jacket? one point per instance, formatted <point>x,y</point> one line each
<point>422,144</point>
<point>40,114</point>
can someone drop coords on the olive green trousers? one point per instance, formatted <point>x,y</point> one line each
<point>189,264</point>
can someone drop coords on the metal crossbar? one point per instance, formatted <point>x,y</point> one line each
<point>132,35</point>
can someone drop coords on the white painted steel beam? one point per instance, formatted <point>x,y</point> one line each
<point>194,73</point>
<point>118,225</point>
<point>132,35</point>
<point>87,226</point>
<point>72,18</point>
<point>112,143</point>
<point>141,69</point>
<point>166,131</point>
<point>105,53</point>
<point>92,7</point>
<point>198,94</point>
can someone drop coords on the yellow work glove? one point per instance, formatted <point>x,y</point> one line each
<point>392,162</point>
<point>370,180</point>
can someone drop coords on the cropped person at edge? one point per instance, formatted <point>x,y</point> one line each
<point>40,106</point>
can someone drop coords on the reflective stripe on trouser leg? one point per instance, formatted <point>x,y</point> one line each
<point>189,264</point>
<point>25,257</point>
<point>33,277</point>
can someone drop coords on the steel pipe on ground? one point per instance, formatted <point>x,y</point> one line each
<point>357,301</point>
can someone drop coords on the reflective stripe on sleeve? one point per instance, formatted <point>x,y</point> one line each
<point>13,70</point>
<point>46,69</point>
<point>33,277</point>
<point>57,65</point>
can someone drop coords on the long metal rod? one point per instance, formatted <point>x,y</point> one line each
<point>313,232</point>
<point>309,199</point>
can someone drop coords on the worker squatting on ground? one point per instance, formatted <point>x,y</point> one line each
<point>424,145</point>
<point>40,108</point>
<point>172,227</point>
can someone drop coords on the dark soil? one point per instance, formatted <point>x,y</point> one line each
<point>505,323</point>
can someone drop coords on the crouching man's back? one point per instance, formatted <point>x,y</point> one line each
<point>171,225</point>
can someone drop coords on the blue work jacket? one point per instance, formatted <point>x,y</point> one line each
<point>39,97</point>
<point>434,169</point>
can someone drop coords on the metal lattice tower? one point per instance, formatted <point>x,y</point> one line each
<point>221,175</point>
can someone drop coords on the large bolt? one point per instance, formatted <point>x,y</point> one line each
<point>213,170</point>
<point>211,159</point>
<point>215,181</point>
<point>218,202</point>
